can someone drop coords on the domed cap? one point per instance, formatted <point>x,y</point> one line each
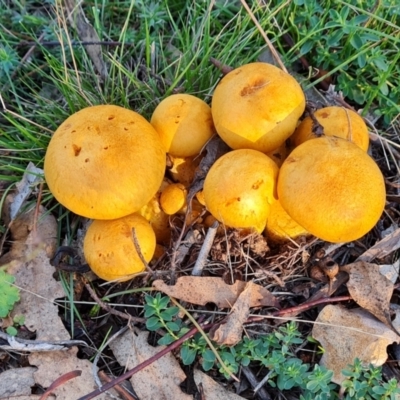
<point>332,188</point>
<point>104,162</point>
<point>257,106</point>
<point>109,247</point>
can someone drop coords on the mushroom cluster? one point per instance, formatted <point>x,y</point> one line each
<point>284,177</point>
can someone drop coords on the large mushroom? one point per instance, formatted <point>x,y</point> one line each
<point>257,106</point>
<point>332,188</point>
<point>104,162</point>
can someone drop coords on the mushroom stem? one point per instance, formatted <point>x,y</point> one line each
<point>205,249</point>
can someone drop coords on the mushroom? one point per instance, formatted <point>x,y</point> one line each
<point>280,226</point>
<point>239,189</point>
<point>184,168</point>
<point>336,121</point>
<point>173,198</point>
<point>109,247</point>
<point>257,106</point>
<point>332,188</point>
<point>104,162</point>
<point>184,123</point>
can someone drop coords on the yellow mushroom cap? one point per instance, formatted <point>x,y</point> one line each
<point>336,121</point>
<point>104,162</point>
<point>158,219</point>
<point>280,226</point>
<point>239,189</point>
<point>184,123</point>
<point>332,188</point>
<point>173,198</point>
<point>184,168</point>
<point>257,106</point>
<point>110,250</point>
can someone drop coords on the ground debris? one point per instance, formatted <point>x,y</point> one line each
<point>201,290</point>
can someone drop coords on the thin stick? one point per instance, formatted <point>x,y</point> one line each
<point>141,366</point>
<point>120,389</point>
<point>206,338</point>
<point>109,309</point>
<point>264,35</point>
<point>205,250</point>
<point>139,251</point>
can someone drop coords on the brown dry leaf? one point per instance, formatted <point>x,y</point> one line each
<point>370,289</point>
<point>366,338</point>
<point>213,390</point>
<point>384,247</point>
<point>29,397</point>
<point>201,290</point>
<point>161,379</point>
<point>230,331</point>
<point>87,34</point>
<point>29,263</point>
<point>51,365</point>
<point>16,382</point>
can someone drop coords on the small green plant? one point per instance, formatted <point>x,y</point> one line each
<point>9,294</point>
<point>272,351</point>
<point>365,382</point>
<point>18,321</point>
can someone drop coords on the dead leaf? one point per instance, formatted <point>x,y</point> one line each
<point>24,187</point>
<point>54,364</point>
<point>87,34</point>
<point>230,331</point>
<point>213,390</point>
<point>16,382</point>
<point>370,289</point>
<point>201,290</point>
<point>366,338</point>
<point>161,379</point>
<point>384,247</point>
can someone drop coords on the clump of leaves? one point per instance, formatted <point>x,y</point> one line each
<point>366,382</point>
<point>9,294</point>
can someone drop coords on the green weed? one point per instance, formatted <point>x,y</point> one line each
<point>274,352</point>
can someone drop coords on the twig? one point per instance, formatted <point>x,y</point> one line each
<point>225,69</point>
<point>205,250</point>
<point>264,35</point>
<point>139,251</point>
<point>109,309</point>
<point>120,389</point>
<point>262,394</point>
<point>60,381</point>
<point>56,43</point>
<point>141,366</point>
<point>18,344</point>
<point>96,359</point>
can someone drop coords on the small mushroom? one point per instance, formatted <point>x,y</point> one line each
<point>109,247</point>
<point>239,189</point>
<point>173,198</point>
<point>184,123</point>
<point>104,162</point>
<point>336,121</point>
<point>280,226</point>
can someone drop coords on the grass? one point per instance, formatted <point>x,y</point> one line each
<point>154,48</point>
